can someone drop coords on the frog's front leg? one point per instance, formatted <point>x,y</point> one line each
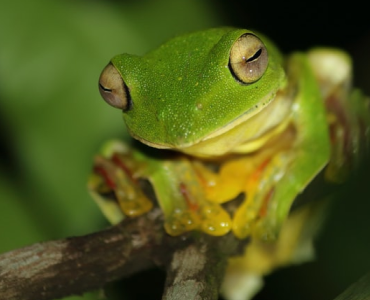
<point>114,184</point>
<point>183,199</point>
<point>117,186</point>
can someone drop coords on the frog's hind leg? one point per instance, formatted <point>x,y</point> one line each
<point>347,110</point>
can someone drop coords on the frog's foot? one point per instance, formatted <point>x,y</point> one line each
<point>210,218</point>
<point>188,209</point>
<point>260,190</point>
<point>115,187</point>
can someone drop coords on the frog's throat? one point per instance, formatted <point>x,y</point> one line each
<point>245,134</point>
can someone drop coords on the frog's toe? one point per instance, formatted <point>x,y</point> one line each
<point>181,221</point>
<point>118,183</point>
<point>215,220</point>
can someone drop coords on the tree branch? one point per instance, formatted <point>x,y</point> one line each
<point>360,290</point>
<point>196,272</point>
<point>75,265</point>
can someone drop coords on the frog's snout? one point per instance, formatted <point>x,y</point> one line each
<point>113,89</point>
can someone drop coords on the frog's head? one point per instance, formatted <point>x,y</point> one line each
<point>192,91</point>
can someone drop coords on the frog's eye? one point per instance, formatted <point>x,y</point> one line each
<point>113,89</point>
<point>248,58</point>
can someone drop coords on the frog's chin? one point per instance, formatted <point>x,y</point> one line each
<point>245,134</point>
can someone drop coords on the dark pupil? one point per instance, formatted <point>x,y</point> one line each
<point>255,56</point>
<point>104,88</point>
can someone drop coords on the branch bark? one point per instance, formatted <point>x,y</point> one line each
<point>360,290</point>
<point>196,272</point>
<point>74,265</point>
<point>56,269</point>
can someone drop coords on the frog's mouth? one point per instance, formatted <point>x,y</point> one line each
<point>245,134</point>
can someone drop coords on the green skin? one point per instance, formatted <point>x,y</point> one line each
<point>185,98</point>
<point>195,74</point>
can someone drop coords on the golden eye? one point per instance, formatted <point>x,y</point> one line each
<point>248,58</point>
<point>113,89</point>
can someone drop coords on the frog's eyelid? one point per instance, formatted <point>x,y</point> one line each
<point>104,88</point>
<point>255,55</point>
<point>248,59</point>
<point>113,89</point>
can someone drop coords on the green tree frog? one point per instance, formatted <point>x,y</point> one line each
<point>240,131</point>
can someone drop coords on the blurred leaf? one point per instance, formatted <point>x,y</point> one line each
<point>17,226</point>
<point>52,117</point>
<point>51,57</point>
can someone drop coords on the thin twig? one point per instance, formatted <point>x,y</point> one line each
<point>360,290</point>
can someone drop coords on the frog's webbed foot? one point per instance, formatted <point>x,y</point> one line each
<point>181,196</point>
<point>260,197</point>
<point>115,184</point>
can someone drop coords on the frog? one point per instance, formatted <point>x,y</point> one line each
<point>228,135</point>
<point>227,131</point>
